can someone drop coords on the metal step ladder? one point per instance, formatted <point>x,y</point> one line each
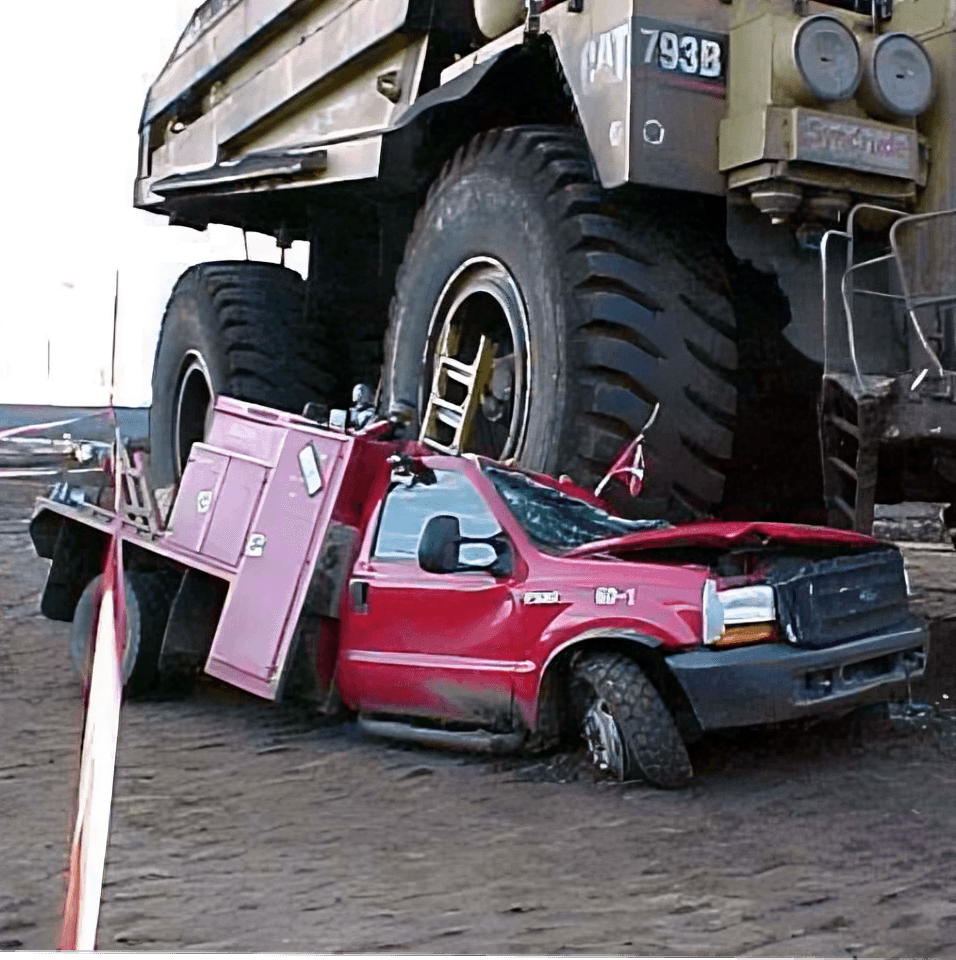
<point>850,432</point>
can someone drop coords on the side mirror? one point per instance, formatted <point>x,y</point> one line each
<point>439,550</point>
<point>438,547</point>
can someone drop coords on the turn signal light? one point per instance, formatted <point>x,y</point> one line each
<point>746,633</point>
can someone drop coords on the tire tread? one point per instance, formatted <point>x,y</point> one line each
<point>623,265</point>
<point>653,746</point>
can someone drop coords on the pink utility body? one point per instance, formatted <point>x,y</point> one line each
<point>453,593</point>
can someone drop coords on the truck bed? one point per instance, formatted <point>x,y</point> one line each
<point>262,76</point>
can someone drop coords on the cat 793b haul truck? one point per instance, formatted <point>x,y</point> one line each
<point>531,222</point>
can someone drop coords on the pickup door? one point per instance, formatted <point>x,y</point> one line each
<point>438,645</point>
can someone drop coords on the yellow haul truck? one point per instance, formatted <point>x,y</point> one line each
<point>530,223</point>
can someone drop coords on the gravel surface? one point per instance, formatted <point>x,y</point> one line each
<point>245,827</point>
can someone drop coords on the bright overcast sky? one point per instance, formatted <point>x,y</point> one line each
<point>74,76</point>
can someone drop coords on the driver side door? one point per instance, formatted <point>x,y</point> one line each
<point>426,644</point>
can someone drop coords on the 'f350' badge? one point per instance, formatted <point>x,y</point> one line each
<point>542,596</point>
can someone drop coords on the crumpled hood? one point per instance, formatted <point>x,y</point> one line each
<point>717,533</point>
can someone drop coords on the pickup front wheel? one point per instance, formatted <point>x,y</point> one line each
<point>628,730</point>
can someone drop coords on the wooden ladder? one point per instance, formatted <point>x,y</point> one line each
<point>137,502</point>
<point>440,411</point>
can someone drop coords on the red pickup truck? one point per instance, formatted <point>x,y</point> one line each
<point>458,601</point>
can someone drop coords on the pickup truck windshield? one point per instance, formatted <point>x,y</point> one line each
<point>555,520</point>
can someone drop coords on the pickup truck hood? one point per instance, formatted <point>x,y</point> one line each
<point>716,534</point>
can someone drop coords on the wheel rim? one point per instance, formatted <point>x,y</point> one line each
<point>482,298</point>
<point>194,404</point>
<point>604,739</point>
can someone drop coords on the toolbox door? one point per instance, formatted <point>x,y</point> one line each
<point>198,490</point>
<point>262,609</point>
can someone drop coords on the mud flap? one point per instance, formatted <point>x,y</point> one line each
<point>78,555</point>
<point>192,623</point>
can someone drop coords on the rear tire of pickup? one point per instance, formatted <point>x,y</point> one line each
<point>232,328</point>
<point>148,599</point>
<point>609,306</point>
<point>628,729</point>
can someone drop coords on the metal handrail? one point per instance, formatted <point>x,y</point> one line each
<point>849,312</point>
<point>913,303</point>
<point>846,294</point>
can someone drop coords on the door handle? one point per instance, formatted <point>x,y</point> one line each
<point>358,592</point>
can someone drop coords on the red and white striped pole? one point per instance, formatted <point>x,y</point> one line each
<point>98,759</point>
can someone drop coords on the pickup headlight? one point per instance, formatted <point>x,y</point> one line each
<point>739,615</point>
<point>828,57</point>
<point>898,76</point>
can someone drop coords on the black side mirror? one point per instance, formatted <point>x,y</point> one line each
<point>438,547</point>
<point>439,550</point>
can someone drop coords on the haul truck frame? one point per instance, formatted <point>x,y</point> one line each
<point>531,224</point>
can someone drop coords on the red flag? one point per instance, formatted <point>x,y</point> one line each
<point>629,466</point>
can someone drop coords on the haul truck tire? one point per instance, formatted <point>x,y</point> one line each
<point>597,311</point>
<point>148,599</point>
<point>627,727</point>
<point>233,328</point>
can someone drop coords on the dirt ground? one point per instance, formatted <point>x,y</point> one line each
<point>244,827</point>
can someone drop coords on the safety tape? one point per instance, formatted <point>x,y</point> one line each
<point>31,427</point>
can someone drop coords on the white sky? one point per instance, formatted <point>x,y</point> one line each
<point>73,79</point>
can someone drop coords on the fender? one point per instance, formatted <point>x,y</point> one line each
<point>478,98</point>
<point>531,708</point>
<point>405,161</point>
<point>193,619</point>
<point>601,633</point>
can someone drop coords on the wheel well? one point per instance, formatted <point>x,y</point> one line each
<point>358,236</point>
<point>414,152</point>
<point>554,692</point>
<point>193,620</point>
<point>141,560</point>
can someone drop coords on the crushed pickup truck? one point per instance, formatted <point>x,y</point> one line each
<point>458,601</point>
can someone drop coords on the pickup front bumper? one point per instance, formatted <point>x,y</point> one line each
<point>774,682</point>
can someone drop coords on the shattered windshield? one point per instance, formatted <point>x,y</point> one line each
<point>555,520</point>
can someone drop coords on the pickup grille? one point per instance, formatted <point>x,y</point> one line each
<point>826,602</point>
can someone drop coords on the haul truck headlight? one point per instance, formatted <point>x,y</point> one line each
<point>898,75</point>
<point>828,57</point>
<point>738,616</point>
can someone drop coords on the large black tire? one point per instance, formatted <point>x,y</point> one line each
<point>148,599</point>
<point>652,746</point>
<point>625,306</point>
<point>232,328</point>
